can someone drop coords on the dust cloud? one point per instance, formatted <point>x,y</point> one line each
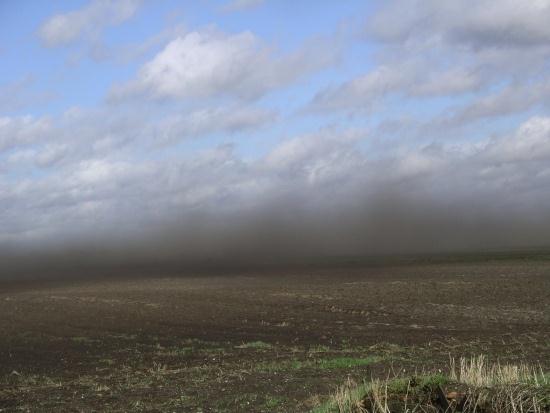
<point>287,231</point>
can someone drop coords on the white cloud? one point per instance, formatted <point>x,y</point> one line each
<point>325,156</point>
<point>97,171</point>
<point>531,142</point>
<point>208,63</point>
<point>88,22</point>
<point>51,143</point>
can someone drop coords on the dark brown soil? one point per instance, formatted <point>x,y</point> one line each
<point>259,342</point>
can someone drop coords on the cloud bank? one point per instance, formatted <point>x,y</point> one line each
<point>317,195</point>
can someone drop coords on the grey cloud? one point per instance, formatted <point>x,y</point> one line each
<point>21,131</point>
<point>202,122</point>
<point>363,91</point>
<point>457,120</point>
<point>88,22</point>
<point>409,79</point>
<point>134,51</point>
<point>512,99</point>
<point>99,50</point>
<point>47,156</point>
<point>475,24</point>
<point>450,82</point>
<point>18,94</point>
<point>471,50</point>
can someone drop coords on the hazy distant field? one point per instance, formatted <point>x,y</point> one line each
<point>275,341</point>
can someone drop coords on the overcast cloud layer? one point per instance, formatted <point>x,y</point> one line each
<point>412,126</point>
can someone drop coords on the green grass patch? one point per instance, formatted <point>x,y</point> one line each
<point>318,364</point>
<point>344,362</point>
<point>273,401</point>
<point>402,385</point>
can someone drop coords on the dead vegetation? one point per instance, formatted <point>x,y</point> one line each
<point>473,385</point>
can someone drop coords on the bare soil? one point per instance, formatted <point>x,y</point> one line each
<point>260,341</point>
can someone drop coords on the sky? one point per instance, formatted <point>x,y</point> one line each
<point>245,127</point>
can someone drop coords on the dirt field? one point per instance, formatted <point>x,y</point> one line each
<point>270,341</point>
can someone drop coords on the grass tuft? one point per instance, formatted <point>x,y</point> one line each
<point>478,386</point>
<point>477,372</point>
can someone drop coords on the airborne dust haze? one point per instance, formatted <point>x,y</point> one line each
<point>288,231</point>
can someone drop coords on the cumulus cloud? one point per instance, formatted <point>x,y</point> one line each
<point>209,63</point>
<point>88,22</point>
